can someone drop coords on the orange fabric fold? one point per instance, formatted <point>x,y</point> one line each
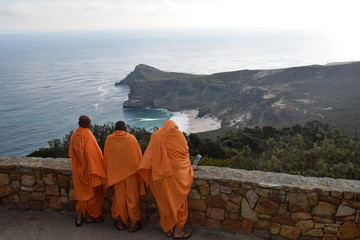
<point>126,200</point>
<point>166,168</point>
<point>87,170</point>
<point>122,155</point>
<point>93,207</point>
<point>156,155</point>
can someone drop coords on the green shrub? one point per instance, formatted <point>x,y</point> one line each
<point>310,150</point>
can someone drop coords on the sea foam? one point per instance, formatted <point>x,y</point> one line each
<point>182,120</point>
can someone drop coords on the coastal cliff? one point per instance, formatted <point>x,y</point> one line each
<point>329,93</point>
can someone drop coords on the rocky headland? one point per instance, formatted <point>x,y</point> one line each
<point>245,98</point>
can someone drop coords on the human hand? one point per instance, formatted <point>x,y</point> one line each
<point>195,168</point>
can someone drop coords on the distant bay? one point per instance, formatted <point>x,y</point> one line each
<point>49,79</point>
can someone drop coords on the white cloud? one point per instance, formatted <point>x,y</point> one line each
<point>44,15</point>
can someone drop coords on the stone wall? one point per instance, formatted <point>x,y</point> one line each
<point>265,204</point>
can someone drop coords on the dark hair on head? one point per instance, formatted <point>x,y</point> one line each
<point>84,121</point>
<point>120,125</point>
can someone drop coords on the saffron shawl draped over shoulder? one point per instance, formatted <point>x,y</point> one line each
<point>166,168</point>
<point>87,164</point>
<point>122,155</point>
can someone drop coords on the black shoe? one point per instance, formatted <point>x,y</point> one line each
<point>116,225</point>
<point>136,227</point>
<point>78,224</point>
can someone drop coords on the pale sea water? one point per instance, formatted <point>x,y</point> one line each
<point>49,79</point>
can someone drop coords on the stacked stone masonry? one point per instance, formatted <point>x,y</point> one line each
<point>265,204</point>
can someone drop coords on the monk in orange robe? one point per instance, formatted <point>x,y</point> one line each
<point>166,168</point>
<point>88,173</point>
<point>122,155</point>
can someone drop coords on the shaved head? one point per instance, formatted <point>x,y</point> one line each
<point>120,125</point>
<point>84,121</point>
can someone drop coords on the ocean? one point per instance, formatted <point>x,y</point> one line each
<point>49,79</point>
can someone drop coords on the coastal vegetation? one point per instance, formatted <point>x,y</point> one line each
<point>312,149</point>
<point>59,148</point>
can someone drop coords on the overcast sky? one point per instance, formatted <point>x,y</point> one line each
<point>60,15</point>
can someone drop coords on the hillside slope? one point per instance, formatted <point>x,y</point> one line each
<point>329,93</point>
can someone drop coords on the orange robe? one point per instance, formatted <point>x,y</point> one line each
<point>88,172</point>
<point>122,155</point>
<point>166,168</point>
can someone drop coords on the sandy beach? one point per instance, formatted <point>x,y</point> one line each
<point>203,124</point>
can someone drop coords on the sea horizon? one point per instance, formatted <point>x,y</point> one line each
<point>50,79</point>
